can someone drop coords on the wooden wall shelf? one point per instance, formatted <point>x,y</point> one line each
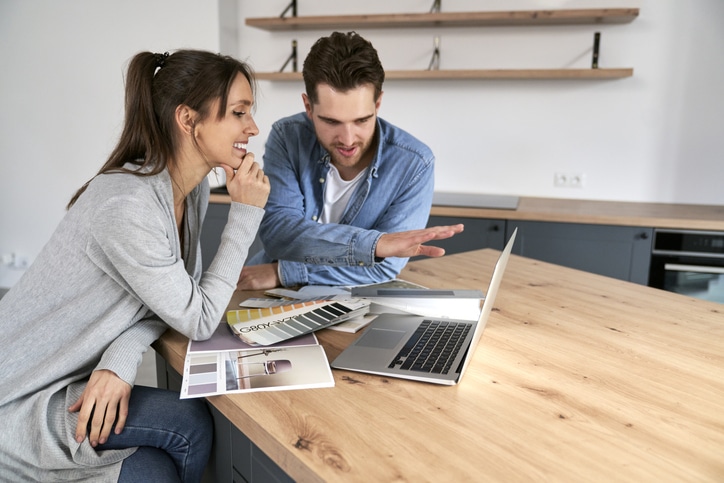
<point>477,74</point>
<point>448,19</point>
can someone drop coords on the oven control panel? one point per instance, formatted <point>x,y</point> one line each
<point>690,243</point>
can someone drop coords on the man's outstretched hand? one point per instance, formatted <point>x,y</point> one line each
<point>412,243</point>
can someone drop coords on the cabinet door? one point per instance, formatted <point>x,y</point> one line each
<point>620,252</point>
<point>214,223</point>
<point>479,233</point>
<point>216,216</point>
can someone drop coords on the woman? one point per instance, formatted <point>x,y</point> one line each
<point>123,265</point>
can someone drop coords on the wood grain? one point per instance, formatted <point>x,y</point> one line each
<point>448,19</point>
<point>477,74</point>
<point>578,377</point>
<point>655,215</point>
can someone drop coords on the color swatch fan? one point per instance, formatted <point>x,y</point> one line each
<point>271,325</point>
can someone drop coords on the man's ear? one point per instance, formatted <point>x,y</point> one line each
<point>307,105</point>
<point>185,119</point>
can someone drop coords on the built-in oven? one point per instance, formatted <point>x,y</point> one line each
<point>688,262</point>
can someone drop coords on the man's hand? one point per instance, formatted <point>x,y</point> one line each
<point>105,397</point>
<point>410,243</point>
<point>259,277</point>
<point>248,184</point>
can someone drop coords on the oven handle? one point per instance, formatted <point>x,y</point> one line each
<point>676,267</point>
<point>675,253</point>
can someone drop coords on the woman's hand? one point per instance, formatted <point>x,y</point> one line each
<point>248,184</point>
<point>105,398</point>
<point>410,243</point>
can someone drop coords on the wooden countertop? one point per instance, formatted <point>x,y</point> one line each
<point>578,377</point>
<point>653,215</point>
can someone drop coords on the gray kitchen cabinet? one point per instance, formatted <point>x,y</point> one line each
<point>478,233</point>
<point>621,252</point>
<point>216,216</point>
<point>214,223</point>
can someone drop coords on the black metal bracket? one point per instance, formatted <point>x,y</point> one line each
<point>596,46</point>
<point>293,7</point>
<point>435,60</point>
<point>292,58</point>
<point>436,6</point>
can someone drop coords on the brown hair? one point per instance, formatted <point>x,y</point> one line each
<point>344,61</point>
<point>156,84</point>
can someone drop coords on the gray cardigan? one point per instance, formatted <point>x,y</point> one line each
<point>109,282</point>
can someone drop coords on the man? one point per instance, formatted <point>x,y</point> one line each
<point>350,192</point>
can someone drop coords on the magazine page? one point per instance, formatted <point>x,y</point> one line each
<point>225,365</point>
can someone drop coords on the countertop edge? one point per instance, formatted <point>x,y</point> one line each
<point>620,213</point>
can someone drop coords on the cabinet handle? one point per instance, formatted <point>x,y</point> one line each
<point>495,228</point>
<point>644,236</point>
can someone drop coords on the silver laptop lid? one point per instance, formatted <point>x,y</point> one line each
<point>495,281</point>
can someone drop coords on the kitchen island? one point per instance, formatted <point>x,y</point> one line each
<point>578,377</point>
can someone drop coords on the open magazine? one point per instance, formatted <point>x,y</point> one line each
<point>224,364</point>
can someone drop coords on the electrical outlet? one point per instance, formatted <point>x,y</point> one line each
<point>569,180</point>
<point>15,261</point>
<point>560,180</point>
<point>21,262</point>
<point>577,180</point>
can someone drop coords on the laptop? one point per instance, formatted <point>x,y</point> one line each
<point>427,349</point>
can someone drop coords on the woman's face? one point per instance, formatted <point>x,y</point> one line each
<point>224,141</point>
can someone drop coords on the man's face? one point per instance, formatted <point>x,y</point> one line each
<point>345,125</point>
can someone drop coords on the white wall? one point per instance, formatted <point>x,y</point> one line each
<point>61,92</point>
<point>653,137</point>
<point>656,136</point>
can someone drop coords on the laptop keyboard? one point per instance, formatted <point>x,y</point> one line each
<point>433,347</point>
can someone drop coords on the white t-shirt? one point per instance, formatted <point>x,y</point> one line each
<point>337,193</point>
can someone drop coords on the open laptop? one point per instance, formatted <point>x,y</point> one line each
<point>399,345</point>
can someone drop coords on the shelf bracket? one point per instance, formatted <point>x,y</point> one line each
<point>436,6</point>
<point>435,60</point>
<point>596,46</point>
<point>292,58</point>
<point>293,7</point>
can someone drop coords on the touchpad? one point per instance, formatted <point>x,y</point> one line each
<point>381,338</point>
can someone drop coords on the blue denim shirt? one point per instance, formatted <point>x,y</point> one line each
<point>396,196</point>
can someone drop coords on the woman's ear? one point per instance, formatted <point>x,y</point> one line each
<point>185,119</point>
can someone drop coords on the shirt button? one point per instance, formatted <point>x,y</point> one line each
<point>314,218</point>
<point>321,180</point>
<point>361,264</point>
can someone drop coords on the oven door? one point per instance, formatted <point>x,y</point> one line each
<point>688,262</point>
<point>696,277</point>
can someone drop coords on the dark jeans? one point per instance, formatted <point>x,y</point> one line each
<point>174,437</point>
